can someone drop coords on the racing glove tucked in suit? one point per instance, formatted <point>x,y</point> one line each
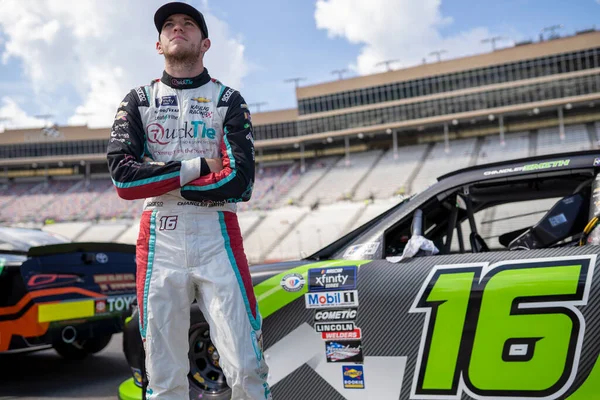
<point>190,245</point>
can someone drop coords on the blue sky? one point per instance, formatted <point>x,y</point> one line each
<point>69,57</point>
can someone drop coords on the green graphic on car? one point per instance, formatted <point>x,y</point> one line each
<point>511,331</point>
<point>271,296</point>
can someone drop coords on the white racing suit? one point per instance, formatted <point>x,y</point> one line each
<point>190,245</point>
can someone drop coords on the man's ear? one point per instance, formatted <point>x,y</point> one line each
<point>159,48</point>
<point>205,45</point>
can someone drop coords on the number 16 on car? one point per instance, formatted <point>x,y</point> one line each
<point>509,330</point>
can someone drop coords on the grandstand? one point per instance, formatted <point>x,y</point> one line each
<point>351,150</point>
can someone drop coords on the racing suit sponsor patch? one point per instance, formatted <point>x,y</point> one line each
<point>141,94</point>
<point>166,101</point>
<point>121,115</point>
<point>201,111</point>
<point>227,95</point>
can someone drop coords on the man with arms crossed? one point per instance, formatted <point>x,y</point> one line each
<point>184,143</point>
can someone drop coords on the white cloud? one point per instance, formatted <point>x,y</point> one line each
<point>12,116</point>
<point>404,30</point>
<point>99,49</point>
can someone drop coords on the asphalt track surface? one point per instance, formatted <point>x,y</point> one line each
<point>45,375</point>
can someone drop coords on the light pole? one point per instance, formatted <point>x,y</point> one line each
<point>438,53</point>
<point>493,41</point>
<point>339,72</point>
<point>387,64</point>
<point>552,29</point>
<point>295,80</point>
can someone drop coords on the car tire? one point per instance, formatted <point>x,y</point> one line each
<point>97,344</point>
<point>206,378</point>
<point>71,351</point>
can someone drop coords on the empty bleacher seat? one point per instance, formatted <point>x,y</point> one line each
<point>440,162</point>
<point>390,176</point>
<point>69,205</point>
<point>31,205</point>
<point>276,223</point>
<point>315,169</point>
<point>516,145</point>
<point>318,229</point>
<point>372,210</point>
<point>339,182</point>
<point>576,139</point>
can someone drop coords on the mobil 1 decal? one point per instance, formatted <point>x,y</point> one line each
<point>337,278</point>
<point>348,298</point>
<point>507,330</point>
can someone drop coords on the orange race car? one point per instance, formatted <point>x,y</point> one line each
<point>55,293</point>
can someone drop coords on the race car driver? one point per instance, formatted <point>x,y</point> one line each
<point>184,143</point>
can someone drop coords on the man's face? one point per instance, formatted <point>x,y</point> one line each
<point>181,38</point>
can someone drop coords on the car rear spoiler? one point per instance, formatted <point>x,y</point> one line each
<point>80,247</point>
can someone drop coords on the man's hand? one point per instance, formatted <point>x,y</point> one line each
<point>148,160</point>
<point>215,164</point>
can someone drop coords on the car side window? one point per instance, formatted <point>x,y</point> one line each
<point>493,222</point>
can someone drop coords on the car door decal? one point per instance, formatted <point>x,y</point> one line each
<point>511,329</point>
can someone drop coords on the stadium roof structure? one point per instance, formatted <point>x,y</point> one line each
<point>520,88</point>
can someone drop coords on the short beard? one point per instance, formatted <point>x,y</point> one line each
<point>184,60</point>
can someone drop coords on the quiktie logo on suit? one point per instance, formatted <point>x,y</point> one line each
<point>156,133</point>
<point>340,278</point>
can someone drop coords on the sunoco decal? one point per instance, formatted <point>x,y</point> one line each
<point>529,167</point>
<point>354,376</point>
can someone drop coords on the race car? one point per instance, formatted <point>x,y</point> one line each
<point>63,295</point>
<point>481,286</point>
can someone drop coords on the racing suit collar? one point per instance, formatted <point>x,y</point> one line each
<point>186,83</point>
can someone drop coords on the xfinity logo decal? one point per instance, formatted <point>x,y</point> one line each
<point>336,315</point>
<point>343,278</point>
<point>166,101</point>
<point>331,299</point>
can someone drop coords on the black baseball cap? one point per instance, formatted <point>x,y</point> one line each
<point>169,9</point>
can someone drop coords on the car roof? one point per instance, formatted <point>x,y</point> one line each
<point>576,157</point>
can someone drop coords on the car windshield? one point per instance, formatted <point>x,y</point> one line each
<point>17,239</point>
